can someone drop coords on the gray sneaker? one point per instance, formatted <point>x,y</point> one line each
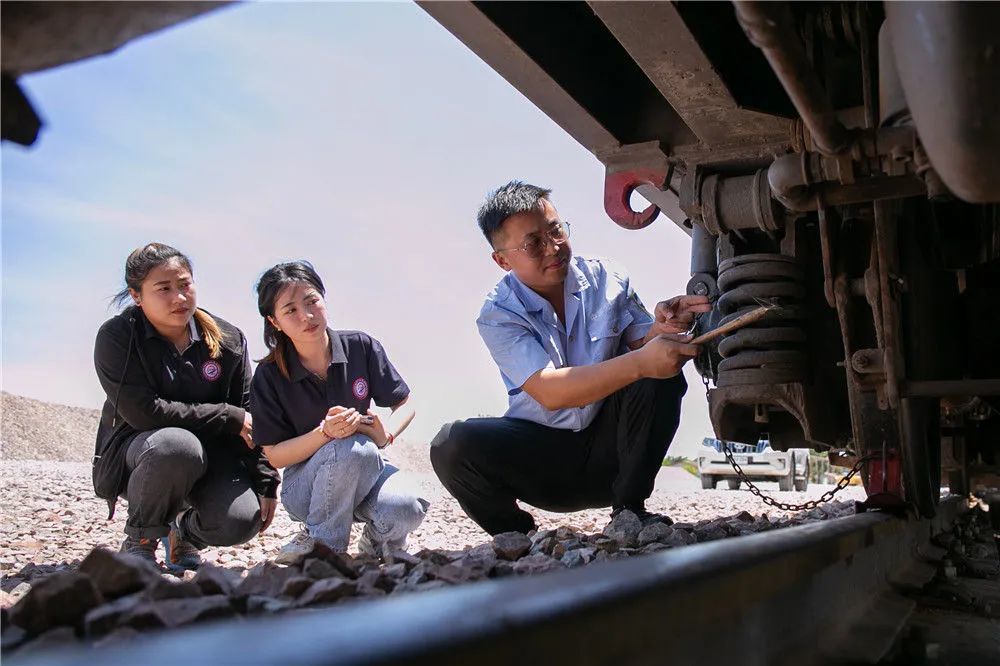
<point>140,547</point>
<point>293,551</point>
<point>372,547</point>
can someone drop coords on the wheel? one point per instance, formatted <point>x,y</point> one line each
<point>787,482</point>
<point>708,482</point>
<point>734,484</point>
<point>803,483</point>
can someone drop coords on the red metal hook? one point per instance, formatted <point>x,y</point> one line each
<point>618,188</point>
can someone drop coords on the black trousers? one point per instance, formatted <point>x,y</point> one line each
<point>170,471</point>
<point>488,464</point>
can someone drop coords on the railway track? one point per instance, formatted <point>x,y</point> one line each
<point>831,592</point>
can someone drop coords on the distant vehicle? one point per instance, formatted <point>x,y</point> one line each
<point>759,462</point>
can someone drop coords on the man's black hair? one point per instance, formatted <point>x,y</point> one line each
<point>513,198</point>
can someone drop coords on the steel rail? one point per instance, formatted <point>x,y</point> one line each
<point>795,595</point>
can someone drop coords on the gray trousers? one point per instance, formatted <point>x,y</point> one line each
<point>345,481</point>
<point>170,471</point>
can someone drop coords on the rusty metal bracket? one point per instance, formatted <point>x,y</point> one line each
<point>618,188</point>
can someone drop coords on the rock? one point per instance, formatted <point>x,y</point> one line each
<point>541,535</point>
<point>430,585</point>
<point>396,571</point>
<point>214,580</point>
<point>164,589</point>
<point>578,557</point>
<point>745,516</point>
<point>566,533</point>
<point>101,620</point>
<point>256,605</point>
<point>266,580</point>
<point>402,557</point>
<point>375,583</point>
<point>53,639</point>
<point>326,591</point>
<point>511,545</point>
<point>482,551</point>
<point>606,544</point>
<point>624,528</point>
<point>654,547</point>
<point>710,532</point>
<point>654,532</point>
<point>20,590</point>
<point>141,617</point>
<point>503,568</point>
<point>543,546</point>
<point>319,569</point>
<point>654,518</point>
<point>419,574</point>
<point>679,538</point>
<point>118,574</point>
<point>61,599</point>
<point>293,587</point>
<point>178,612</point>
<point>536,564</point>
<point>342,562</point>
<point>438,557</point>
<point>558,550</point>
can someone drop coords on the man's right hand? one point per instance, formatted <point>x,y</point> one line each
<point>665,355</point>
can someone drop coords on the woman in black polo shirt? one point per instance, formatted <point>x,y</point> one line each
<point>310,401</point>
<point>175,436</point>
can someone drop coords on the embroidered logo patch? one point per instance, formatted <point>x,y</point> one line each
<point>211,370</point>
<point>360,388</point>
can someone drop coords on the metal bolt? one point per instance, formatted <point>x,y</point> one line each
<point>700,289</point>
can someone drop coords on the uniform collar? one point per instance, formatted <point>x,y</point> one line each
<point>297,372</point>
<point>575,282</point>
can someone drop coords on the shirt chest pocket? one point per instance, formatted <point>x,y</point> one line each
<point>605,329</point>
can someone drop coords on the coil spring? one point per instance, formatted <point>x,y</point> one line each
<point>770,351</point>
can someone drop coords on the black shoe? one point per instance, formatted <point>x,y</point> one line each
<point>645,517</point>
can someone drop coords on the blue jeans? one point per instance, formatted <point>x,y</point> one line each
<point>345,481</point>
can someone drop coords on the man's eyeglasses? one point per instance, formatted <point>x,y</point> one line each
<point>535,245</point>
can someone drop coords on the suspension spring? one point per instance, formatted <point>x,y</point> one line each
<point>772,350</point>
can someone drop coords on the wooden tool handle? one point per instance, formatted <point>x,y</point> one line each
<point>736,324</point>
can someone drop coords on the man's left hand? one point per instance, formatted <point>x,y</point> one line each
<point>676,314</point>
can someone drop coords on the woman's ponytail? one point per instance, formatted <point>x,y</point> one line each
<point>210,332</point>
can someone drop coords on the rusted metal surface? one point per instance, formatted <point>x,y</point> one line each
<point>770,27</point>
<point>946,54</point>
<point>618,188</point>
<point>656,37</point>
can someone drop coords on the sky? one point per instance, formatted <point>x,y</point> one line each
<point>361,137</point>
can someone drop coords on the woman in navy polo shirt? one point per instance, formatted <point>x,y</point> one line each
<point>310,400</point>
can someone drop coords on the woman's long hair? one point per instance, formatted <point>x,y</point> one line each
<point>269,286</point>
<point>137,267</point>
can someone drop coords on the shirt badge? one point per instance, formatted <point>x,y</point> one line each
<point>211,370</point>
<point>360,388</point>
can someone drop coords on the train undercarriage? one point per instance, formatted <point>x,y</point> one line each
<point>836,160</point>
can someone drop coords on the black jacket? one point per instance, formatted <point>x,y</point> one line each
<point>129,366</point>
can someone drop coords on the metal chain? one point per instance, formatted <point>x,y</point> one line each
<point>785,506</point>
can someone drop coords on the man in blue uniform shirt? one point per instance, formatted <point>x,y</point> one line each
<point>593,379</point>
